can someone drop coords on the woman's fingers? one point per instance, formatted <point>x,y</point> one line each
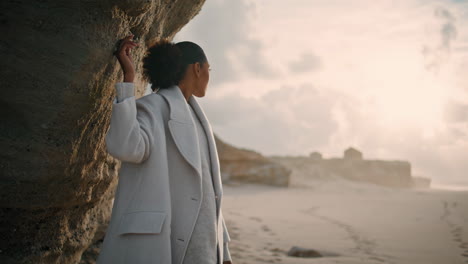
<point>128,41</point>
<point>127,46</point>
<point>127,50</point>
<point>124,56</point>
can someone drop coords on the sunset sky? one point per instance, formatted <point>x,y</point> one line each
<point>389,78</point>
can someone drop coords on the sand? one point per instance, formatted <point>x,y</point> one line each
<point>361,222</point>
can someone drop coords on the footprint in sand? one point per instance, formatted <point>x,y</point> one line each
<point>362,243</point>
<point>255,218</point>
<point>446,212</point>
<point>311,211</point>
<point>238,247</point>
<point>268,230</point>
<point>455,230</point>
<point>377,259</point>
<point>462,244</point>
<point>266,260</point>
<point>233,213</point>
<point>457,235</point>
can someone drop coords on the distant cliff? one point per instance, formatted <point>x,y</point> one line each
<point>58,75</point>
<point>243,165</point>
<point>352,166</point>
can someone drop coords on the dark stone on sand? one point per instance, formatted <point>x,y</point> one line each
<point>304,252</point>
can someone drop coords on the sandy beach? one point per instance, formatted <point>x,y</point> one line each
<point>349,222</point>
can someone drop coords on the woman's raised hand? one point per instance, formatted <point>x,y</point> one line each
<point>123,54</point>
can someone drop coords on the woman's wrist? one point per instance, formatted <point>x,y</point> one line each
<point>129,77</point>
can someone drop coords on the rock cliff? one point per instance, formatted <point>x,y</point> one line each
<point>58,75</point>
<point>243,165</point>
<point>390,173</point>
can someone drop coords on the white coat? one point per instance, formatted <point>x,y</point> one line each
<point>158,195</point>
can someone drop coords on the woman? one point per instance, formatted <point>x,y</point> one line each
<point>167,206</point>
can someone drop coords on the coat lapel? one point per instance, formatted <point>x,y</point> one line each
<point>182,126</point>
<point>214,160</point>
<point>183,130</point>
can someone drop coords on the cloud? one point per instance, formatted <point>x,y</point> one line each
<point>437,154</point>
<point>448,30</point>
<point>281,121</point>
<point>437,55</point>
<point>225,31</point>
<point>306,62</point>
<point>456,112</point>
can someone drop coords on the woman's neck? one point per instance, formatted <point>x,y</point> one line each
<point>187,90</point>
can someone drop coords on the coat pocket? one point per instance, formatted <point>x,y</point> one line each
<point>142,222</point>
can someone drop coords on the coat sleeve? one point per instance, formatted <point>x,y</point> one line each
<point>226,238</point>
<point>129,136</point>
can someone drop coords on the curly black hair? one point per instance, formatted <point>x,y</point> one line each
<point>165,62</point>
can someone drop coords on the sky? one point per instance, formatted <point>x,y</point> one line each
<point>389,78</point>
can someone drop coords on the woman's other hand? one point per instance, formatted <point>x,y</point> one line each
<point>124,56</point>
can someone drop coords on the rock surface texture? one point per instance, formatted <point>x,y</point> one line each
<point>243,165</point>
<point>58,74</point>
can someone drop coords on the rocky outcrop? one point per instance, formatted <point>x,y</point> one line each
<point>58,75</point>
<point>421,182</point>
<point>391,173</point>
<point>304,252</point>
<point>301,252</point>
<point>243,165</point>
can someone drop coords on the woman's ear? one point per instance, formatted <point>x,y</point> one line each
<point>197,68</point>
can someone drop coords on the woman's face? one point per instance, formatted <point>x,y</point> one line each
<point>202,81</point>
